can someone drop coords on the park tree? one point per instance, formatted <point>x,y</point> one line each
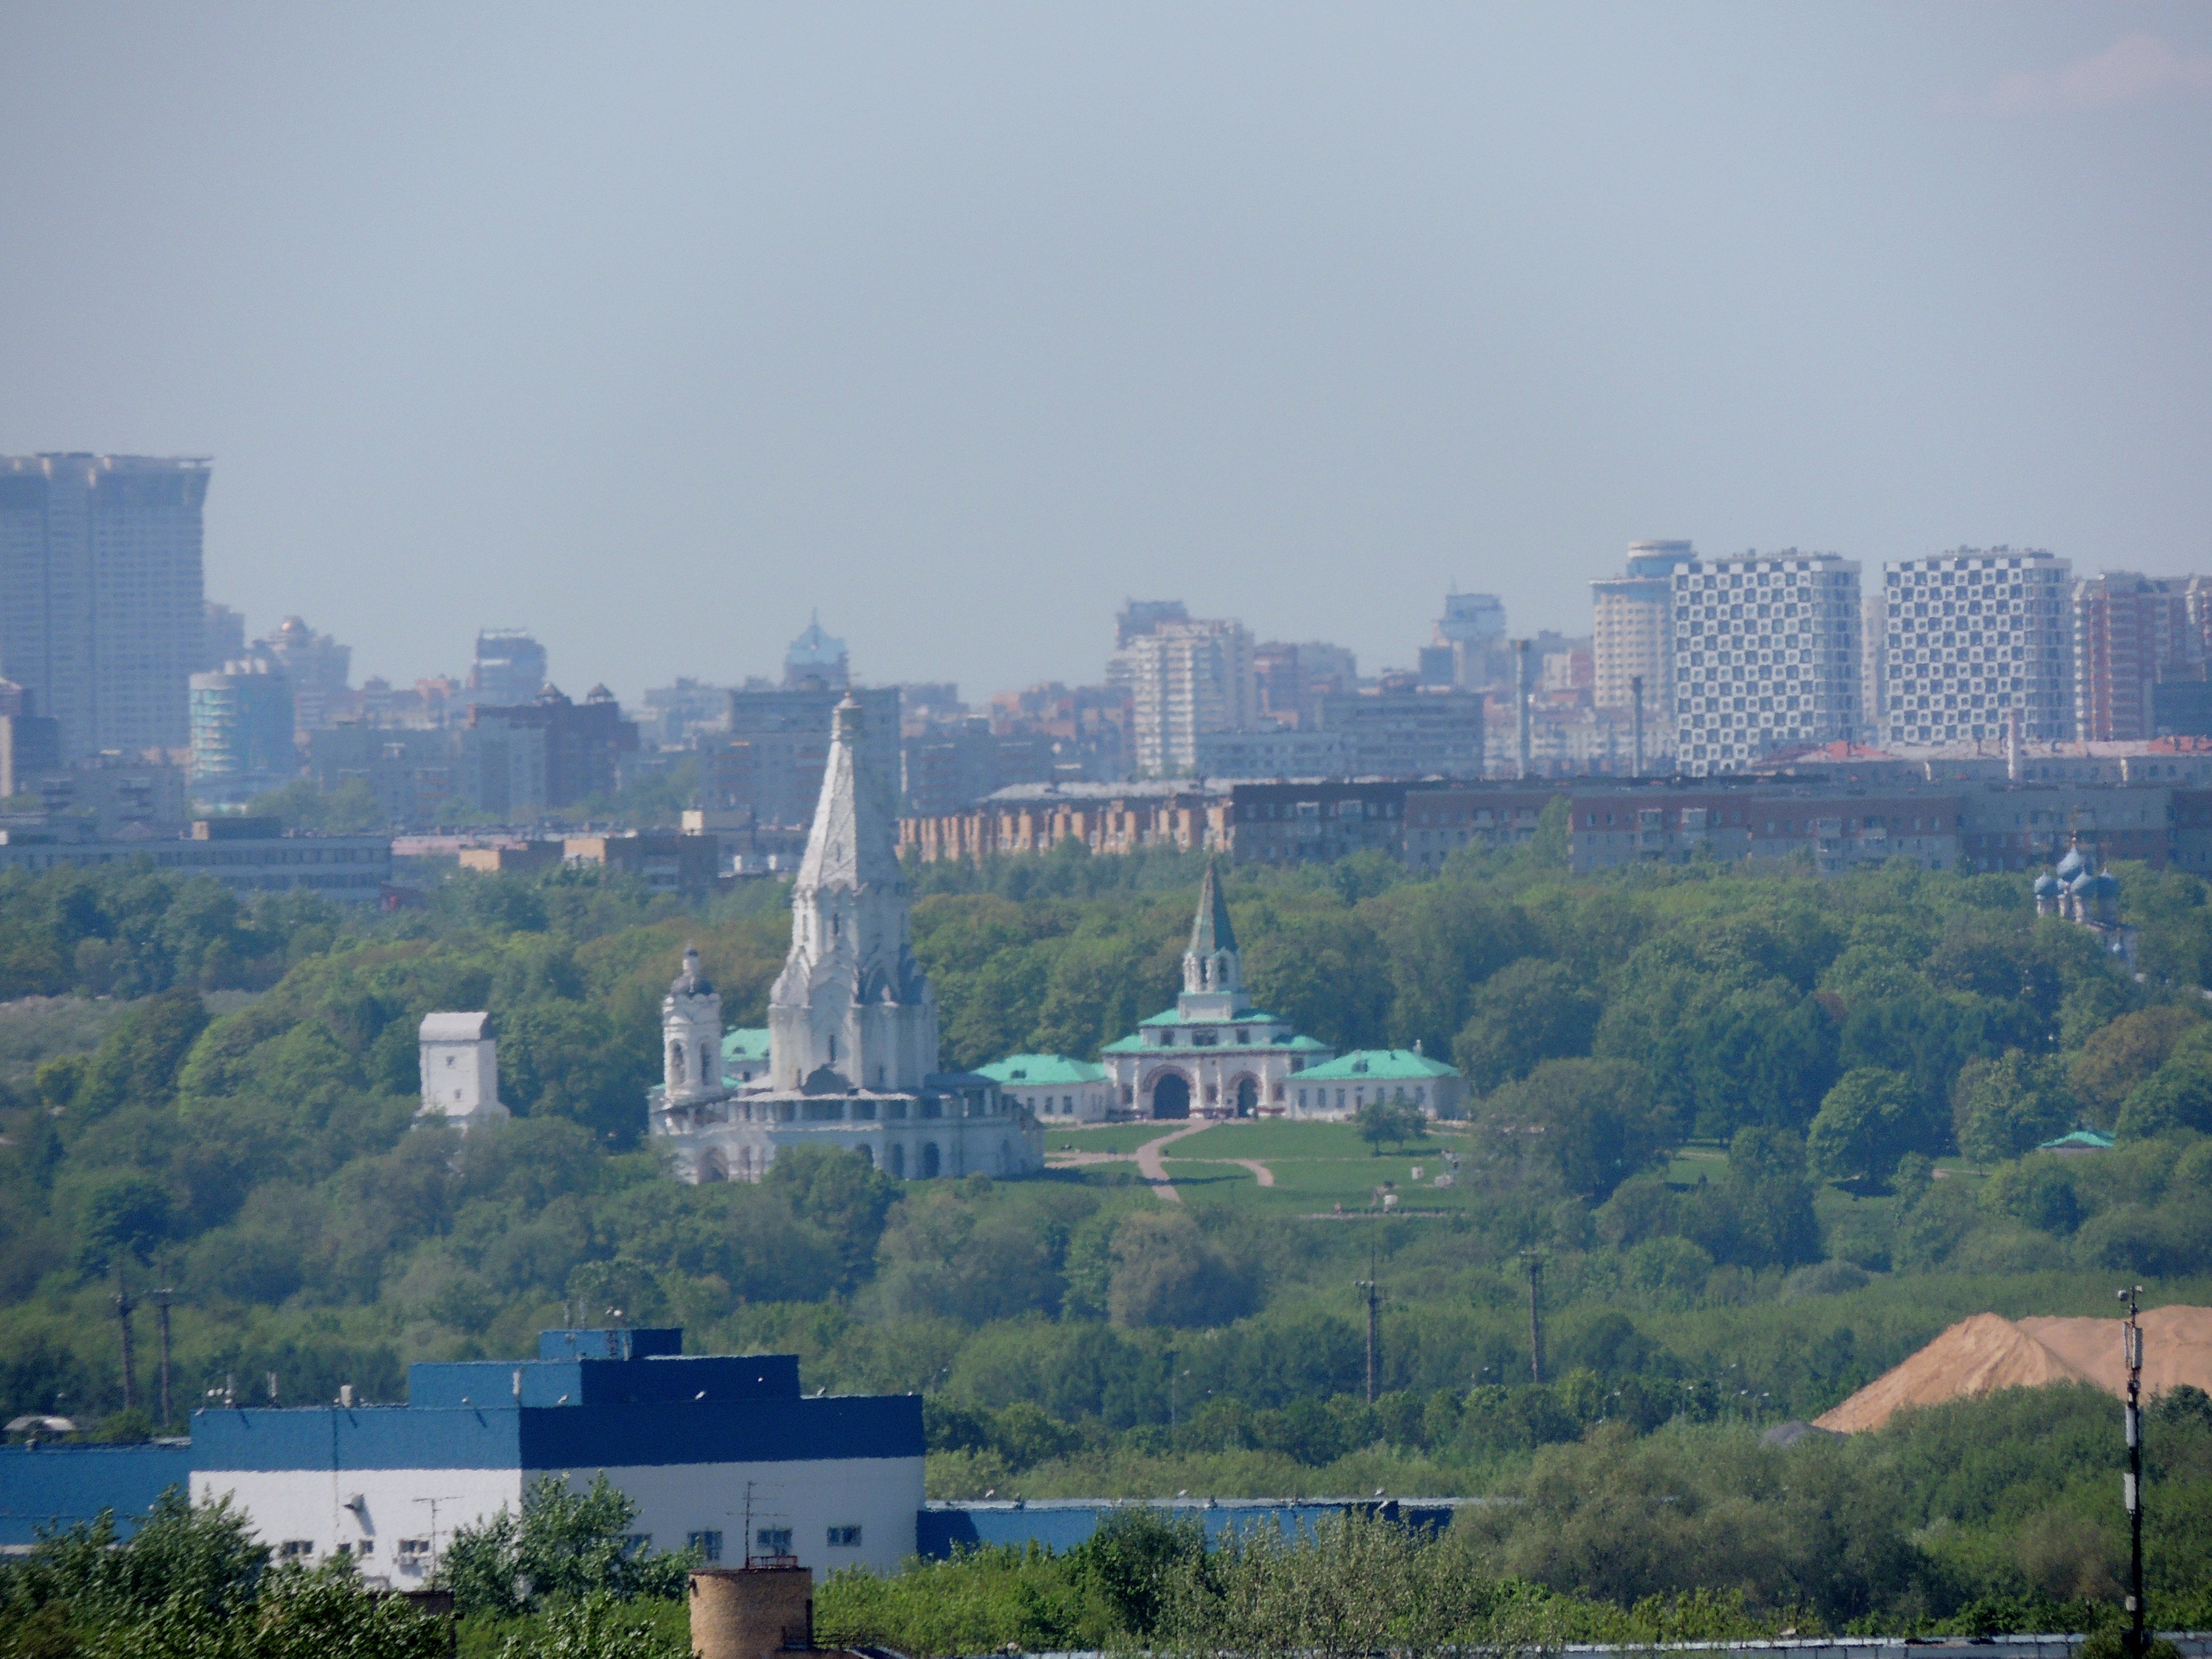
<point>1863,1127</point>
<point>2009,1105</point>
<point>1526,1012</point>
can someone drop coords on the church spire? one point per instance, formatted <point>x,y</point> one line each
<point>1211,931</point>
<point>854,841</point>
<point>1212,979</point>
<point>851,1008</point>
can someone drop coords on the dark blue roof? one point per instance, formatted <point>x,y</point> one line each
<point>60,1485</point>
<point>499,1434</point>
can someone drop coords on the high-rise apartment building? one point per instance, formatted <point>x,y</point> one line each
<point>1187,678</point>
<point>584,742</point>
<point>1293,678</point>
<point>1766,656</point>
<point>815,658</point>
<point>242,730</point>
<point>1138,617</point>
<point>2130,632</point>
<point>1631,635</point>
<point>319,667</point>
<point>226,637</point>
<point>509,670</point>
<point>769,763</point>
<point>1969,637</point>
<point>101,600</point>
<point>1467,648</point>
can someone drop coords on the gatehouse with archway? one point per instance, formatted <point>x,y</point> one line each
<point>1214,1054</point>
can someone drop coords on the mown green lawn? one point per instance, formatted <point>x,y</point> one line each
<point>1316,1166</point>
<point>1273,1139</point>
<point>1104,1138</point>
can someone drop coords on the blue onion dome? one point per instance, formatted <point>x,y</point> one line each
<point>2082,885</point>
<point>2046,886</point>
<point>2108,885</point>
<point>2072,864</point>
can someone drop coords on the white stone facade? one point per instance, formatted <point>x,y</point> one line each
<point>1214,1054</point>
<point>460,1071</point>
<point>852,1039</point>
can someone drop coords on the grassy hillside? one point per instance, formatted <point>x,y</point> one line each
<point>1766,1134</point>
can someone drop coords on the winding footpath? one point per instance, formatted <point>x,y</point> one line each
<point>1151,1164</point>
<point>1150,1160</point>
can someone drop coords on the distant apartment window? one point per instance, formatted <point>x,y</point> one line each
<point>772,1541</point>
<point>414,1549</point>
<point>844,1538</point>
<point>706,1545</point>
<point>296,1549</point>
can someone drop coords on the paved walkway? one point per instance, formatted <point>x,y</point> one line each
<point>1150,1166</point>
<point>1151,1161</point>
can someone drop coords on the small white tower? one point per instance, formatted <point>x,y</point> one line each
<point>460,1072</point>
<point>691,1035</point>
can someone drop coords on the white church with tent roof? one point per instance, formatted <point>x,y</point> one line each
<point>851,1055</point>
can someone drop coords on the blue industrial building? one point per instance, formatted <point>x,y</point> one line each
<point>722,1454</point>
<point>705,1447</point>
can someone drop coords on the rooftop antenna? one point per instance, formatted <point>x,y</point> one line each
<point>2131,1351</point>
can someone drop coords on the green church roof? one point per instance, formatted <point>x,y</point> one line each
<point>1211,931</point>
<point>749,1042</point>
<point>1378,1065</point>
<point>1042,1070</point>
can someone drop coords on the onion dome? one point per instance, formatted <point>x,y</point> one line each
<point>2072,864</point>
<point>2046,886</point>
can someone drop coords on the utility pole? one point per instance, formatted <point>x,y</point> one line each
<point>1535,1313</point>
<point>125,1303</point>
<point>1374,1295</point>
<point>161,1306</point>
<point>1636,691</point>
<point>2131,1352</point>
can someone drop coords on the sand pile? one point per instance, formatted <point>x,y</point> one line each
<point>1983,1354</point>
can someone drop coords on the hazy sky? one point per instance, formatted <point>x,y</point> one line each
<point>652,327</point>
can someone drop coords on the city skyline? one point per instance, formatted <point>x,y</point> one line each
<point>930,317</point>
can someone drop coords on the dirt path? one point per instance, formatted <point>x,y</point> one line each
<point>1150,1166</point>
<point>1261,1172</point>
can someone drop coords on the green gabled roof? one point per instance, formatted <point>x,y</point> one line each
<point>1127,1045</point>
<point>1041,1070</point>
<point>749,1042</point>
<point>1378,1065</point>
<point>1308,1042</point>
